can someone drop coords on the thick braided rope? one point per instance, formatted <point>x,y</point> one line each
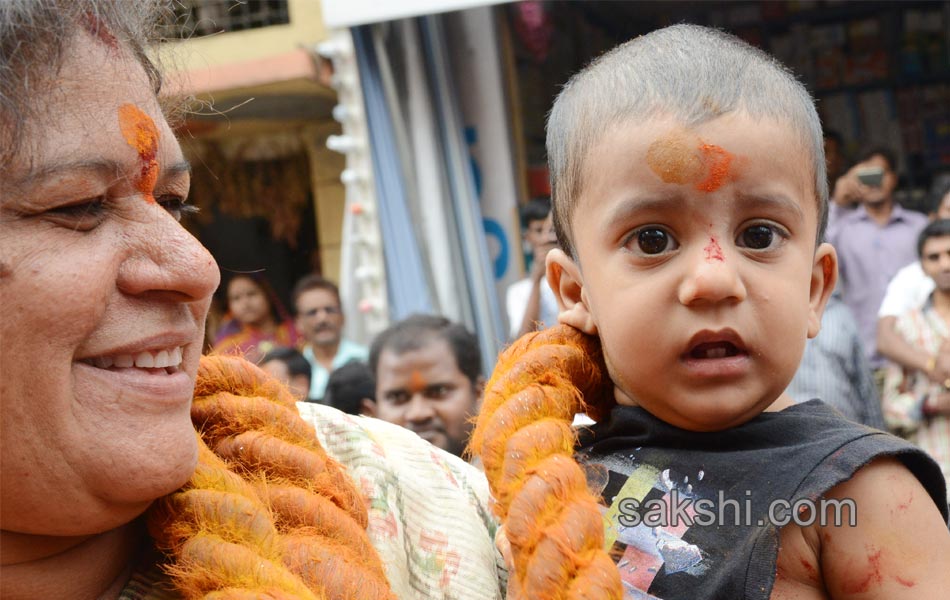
<point>524,437</point>
<point>267,514</point>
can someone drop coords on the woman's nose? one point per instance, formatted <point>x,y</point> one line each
<point>165,259</point>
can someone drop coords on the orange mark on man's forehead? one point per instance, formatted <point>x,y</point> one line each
<point>417,382</point>
<point>141,134</point>
<point>677,158</point>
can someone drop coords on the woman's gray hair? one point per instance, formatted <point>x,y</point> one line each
<point>34,36</point>
<point>693,74</point>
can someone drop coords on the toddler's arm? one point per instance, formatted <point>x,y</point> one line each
<point>900,546</point>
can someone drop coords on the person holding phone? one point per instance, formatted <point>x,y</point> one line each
<point>875,237</point>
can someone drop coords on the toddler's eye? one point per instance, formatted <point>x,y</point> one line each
<point>760,237</point>
<point>651,241</point>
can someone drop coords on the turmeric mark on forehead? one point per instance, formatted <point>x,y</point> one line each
<point>140,133</point>
<point>674,160</point>
<point>677,158</point>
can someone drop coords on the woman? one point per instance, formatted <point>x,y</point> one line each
<point>107,491</point>
<point>253,330</point>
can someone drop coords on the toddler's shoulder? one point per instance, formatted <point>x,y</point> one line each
<point>899,545</point>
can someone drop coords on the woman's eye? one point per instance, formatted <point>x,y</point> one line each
<point>82,216</point>
<point>177,206</point>
<point>653,240</point>
<point>760,237</point>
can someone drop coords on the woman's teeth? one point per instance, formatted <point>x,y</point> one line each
<point>142,360</point>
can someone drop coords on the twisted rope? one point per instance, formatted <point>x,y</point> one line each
<point>266,514</point>
<point>524,437</point>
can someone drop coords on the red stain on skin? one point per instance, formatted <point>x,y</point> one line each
<point>872,576</point>
<point>713,250</point>
<point>95,27</point>
<point>810,569</point>
<point>140,133</point>
<point>717,162</point>
<point>417,382</point>
<point>904,582</point>
<point>906,505</point>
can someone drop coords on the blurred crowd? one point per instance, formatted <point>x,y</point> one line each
<point>881,359</point>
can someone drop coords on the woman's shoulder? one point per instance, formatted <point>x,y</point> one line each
<point>429,514</point>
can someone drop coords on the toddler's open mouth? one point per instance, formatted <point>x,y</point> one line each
<point>715,350</point>
<point>711,345</point>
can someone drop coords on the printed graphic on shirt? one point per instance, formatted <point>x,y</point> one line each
<point>643,533</point>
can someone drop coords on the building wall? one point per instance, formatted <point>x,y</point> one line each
<point>219,68</point>
<point>305,28</point>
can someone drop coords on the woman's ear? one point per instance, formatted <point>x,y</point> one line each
<point>564,277</point>
<point>824,277</point>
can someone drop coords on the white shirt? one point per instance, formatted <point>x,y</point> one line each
<point>909,289</point>
<point>517,302</point>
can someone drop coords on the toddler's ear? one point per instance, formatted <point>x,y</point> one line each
<point>824,277</point>
<point>564,277</point>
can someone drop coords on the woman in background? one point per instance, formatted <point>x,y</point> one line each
<point>257,324</point>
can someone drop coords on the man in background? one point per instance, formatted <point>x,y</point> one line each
<point>873,241</point>
<point>320,321</point>
<point>908,290</point>
<point>915,406</point>
<point>428,379</point>
<point>530,302</point>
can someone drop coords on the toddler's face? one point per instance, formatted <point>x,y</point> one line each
<point>697,265</point>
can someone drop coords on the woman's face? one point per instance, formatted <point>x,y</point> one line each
<point>247,302</point>
<point>104,299</point>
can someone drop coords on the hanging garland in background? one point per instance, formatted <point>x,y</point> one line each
<point>276,189</point>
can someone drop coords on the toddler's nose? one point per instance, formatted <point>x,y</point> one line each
<point>711,276</point>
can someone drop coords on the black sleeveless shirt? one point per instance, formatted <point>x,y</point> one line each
<point>689,512</point>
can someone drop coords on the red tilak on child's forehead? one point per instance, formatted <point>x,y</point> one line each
<point>140,133</point>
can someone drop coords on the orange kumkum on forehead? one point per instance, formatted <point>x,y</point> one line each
<point>417,382</point>
<point>717,162</point>
<point>676,158</point>
<point>141,134</point>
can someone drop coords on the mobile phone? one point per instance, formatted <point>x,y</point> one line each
<point>871,176</point>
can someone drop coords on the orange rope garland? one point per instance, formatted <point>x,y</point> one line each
<point>524,437</point>
<point>267,514</point>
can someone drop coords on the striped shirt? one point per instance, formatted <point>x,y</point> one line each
<point>905,391</point>
<point>835,369</point>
